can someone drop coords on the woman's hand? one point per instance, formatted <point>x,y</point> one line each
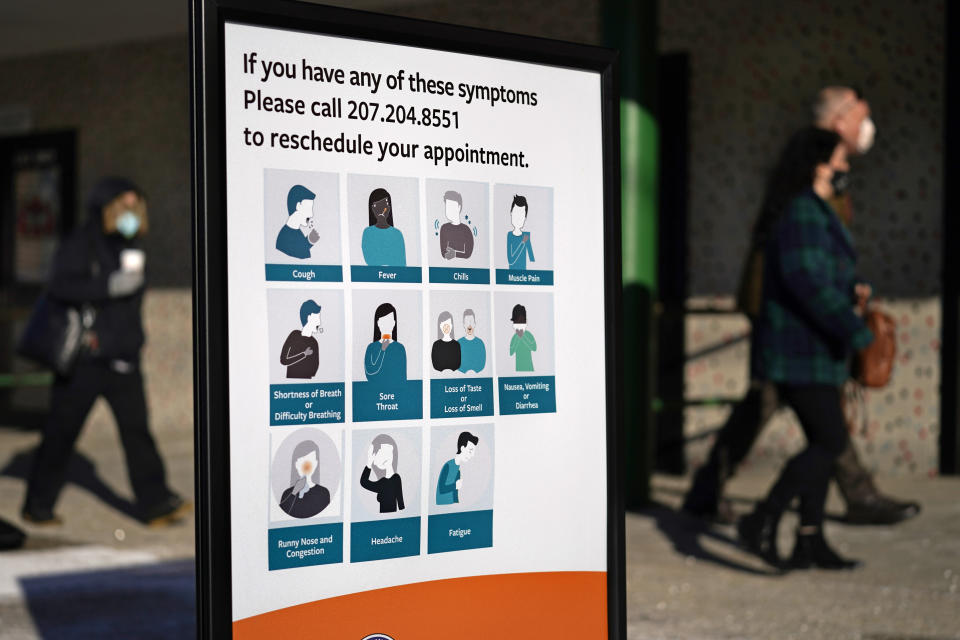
<point>862,292</point>
<point>370,457</point>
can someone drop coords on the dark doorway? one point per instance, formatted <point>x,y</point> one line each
<point>672,276</point>
<point>37,207</point>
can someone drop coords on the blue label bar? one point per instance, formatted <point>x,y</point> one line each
<point>461,397</point>
<point>526,276</point>
<point>446,275</point>
<point>306,403</point>
<point>385,274</point>
<point>305,546</point>
<point>305,272</point>
<point>375,401</point>
<point>527,394</point>
<point>382,539</point>
<point>459,531</point>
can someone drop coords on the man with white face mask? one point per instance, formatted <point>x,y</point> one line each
<point>844,111</point>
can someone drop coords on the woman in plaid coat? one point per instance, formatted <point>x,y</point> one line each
<point>804,337</point>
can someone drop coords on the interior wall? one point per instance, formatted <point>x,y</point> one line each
<point>130,107</point>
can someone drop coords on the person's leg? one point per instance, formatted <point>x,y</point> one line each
<point>865,503</point>
<point>124,392</point>
<point>70,402</point>
<point>733,443</point>
<point>821,414</point>
<point>806,476</point>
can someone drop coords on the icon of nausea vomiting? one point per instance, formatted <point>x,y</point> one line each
<point>522,343</point>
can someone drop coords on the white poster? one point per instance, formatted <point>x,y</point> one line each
<point>416,331</point>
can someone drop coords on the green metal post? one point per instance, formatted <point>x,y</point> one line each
<point>631,27</point>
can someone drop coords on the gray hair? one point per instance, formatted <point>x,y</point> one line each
<point>827,105</point>
<point>303,449</point>
<point>444,315</point>
<point>377,443</point>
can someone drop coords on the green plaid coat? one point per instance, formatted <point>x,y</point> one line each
<point>807,327</point>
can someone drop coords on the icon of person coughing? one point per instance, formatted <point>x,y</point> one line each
<point>298,235</point>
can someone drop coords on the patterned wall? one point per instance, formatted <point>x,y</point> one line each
<point>754,69</point>
<point>902,421</point>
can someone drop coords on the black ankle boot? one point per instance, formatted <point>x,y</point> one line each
<point>758,533</point>
<point>812,550</point>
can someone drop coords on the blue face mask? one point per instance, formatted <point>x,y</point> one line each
<point>128,223</point>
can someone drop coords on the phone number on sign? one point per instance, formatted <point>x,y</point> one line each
<point>400,114</point>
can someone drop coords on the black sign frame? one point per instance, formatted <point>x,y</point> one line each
<point>208,167</point>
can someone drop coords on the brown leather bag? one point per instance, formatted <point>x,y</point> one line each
<point>874,364</point>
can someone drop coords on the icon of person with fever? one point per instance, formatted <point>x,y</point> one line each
<point>382,243</point>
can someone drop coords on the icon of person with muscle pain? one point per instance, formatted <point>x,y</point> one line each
<point>450,481</point>
<point>473,353</point>
<point>456,238</point>
<point>305,497</point>
<point>522,344</point>
<point>519,247</point>
<point>445,353</point>
<point>382,463</point>
<point>298,235</point>
<point>385,360</point>
<point>300,352</point>
<point>382,243</point>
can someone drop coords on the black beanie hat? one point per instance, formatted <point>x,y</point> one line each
<point>105,190</point>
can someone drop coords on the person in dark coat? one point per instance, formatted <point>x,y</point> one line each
<point>805,334</point>
<point>99,269</point>
<point>844,111</point>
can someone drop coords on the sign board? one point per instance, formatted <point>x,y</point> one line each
<point>407,284</point>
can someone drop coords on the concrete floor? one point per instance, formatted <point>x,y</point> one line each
<point>103,575</point>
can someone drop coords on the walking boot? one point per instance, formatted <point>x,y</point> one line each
<point>811,550</point>
<point>865,503</point>
<point>877,508</point>
<point>758,534</point>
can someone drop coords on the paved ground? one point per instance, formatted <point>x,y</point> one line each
<point>103,575</point>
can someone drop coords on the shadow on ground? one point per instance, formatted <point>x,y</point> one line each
<point>144,602</point>
<point>81,471</point>
<point>686,533</point>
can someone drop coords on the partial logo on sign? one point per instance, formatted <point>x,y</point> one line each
<point>377,636</point>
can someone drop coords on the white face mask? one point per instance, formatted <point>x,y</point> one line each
<point>865,138</point>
